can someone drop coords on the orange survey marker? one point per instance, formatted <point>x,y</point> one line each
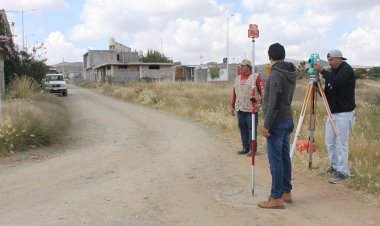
<point>303,146</point>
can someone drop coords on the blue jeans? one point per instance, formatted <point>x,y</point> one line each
<point>245,126</point>
<point>278,144</point>
<point>339,158</point>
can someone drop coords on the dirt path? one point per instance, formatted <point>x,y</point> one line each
<point>124,164</point>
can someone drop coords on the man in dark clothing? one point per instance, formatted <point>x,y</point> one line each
<point>340,95</point>
<point>278,125</point>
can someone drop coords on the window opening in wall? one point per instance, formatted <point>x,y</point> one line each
<point>154,67</point>
<point>118,57</point>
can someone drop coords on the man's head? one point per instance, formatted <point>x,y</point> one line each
<point>245,66</point>
<point>335,58</point>
<point>276,52</point>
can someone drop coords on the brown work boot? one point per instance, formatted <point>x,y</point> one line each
<point>272,203</point>
<point>287,197</point>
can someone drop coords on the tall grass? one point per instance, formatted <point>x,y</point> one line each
<point>22,88</point>
<point>209,103</point>
<point>364,158</point>
<point>29,118</point>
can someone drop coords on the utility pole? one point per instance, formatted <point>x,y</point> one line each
<point>228,21</point>
<point>22,24</point>
<point>63,67</point>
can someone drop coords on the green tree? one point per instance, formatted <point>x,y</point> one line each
<point>374,73</point>
<point>18,63</point>
<point>154,56</point>
<point>360,73</point>
<point>302,72</point>
<point>214,72</point>
<point>12,68</point>
<point>302,66</point>
<point>8,51</point>
<point>31,65</point>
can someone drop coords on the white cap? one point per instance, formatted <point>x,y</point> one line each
<point>335,53</point>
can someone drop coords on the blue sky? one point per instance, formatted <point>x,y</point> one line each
<point>191,31</point>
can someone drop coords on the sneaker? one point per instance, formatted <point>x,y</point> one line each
<point>287,197</point>
<point>272,203</point>
<point>329,170</point>
<point>242,152</point>
<point>338,178</point>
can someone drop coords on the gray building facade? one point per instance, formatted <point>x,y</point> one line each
<point>119,64</point>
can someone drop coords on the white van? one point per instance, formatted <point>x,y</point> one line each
<point>55,83</point>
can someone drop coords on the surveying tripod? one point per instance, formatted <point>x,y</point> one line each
<point>314,87</point>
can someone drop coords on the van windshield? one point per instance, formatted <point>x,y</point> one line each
<point>55,78</point>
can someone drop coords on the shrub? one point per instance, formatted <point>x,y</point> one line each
<point>30,119</point>
<point>22,88</point>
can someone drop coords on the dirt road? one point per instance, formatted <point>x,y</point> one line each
<point>124,164</point>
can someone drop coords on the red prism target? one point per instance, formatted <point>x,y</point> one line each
<point>253,31</point>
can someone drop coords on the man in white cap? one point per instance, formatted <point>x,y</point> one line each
<point>241,103</point>
<point>340,93</point>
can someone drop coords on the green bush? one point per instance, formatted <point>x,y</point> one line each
<point>214,72</point>
<point>374,73</point>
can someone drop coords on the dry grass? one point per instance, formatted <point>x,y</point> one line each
<point>364,155</point>
<point>22,88</point>
<point>209,103</point>
<point>30,119</point>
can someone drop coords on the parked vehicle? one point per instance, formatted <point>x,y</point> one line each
<point>55,83</point>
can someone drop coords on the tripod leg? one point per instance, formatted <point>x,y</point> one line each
<point>312,126</point>
<point>302,115</point>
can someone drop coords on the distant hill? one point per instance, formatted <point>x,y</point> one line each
<point>297,62</point>
<point>69,68</point>
<point>74,64</point>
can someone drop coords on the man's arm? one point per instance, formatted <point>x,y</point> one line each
<point>260,84</point>
<point>271,112</point>
<point>258,99</point>
<point>339,79</point>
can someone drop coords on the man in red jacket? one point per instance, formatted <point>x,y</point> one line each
<point>242,104</point>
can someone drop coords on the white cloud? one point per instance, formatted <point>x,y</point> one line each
<point>309,26</point>
<point>101,19</point>
<point>58,48</point>
<point>39,5</point>
<point>362,44</point>
<point>188,29</point>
